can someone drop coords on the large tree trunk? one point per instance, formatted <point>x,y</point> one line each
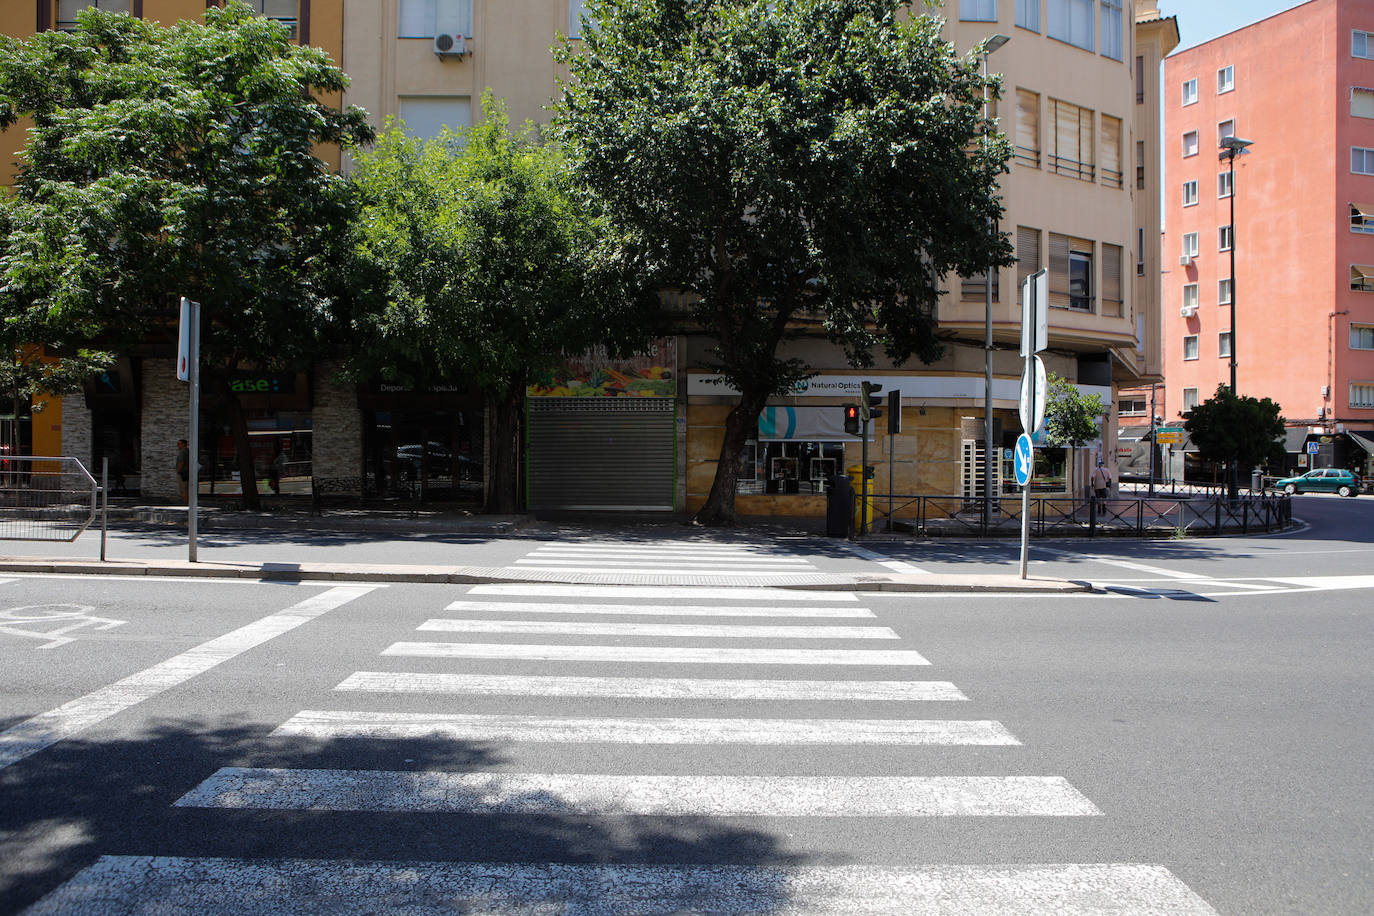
<point>504,413</point>
<point>719,508</point>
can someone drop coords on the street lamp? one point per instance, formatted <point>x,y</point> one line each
<point>989,46</point>
<point>1231,147</point>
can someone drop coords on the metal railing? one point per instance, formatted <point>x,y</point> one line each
<point>1069,516</point>
<point>45,499</point>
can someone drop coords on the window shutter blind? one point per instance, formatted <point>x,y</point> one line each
<point>1027,255</point>
<point>1059,271</point>
<point>1111,280</point>
<point>1065,132</point>
<point>1028,126</point>
<point>1362,102</point>
<point>1111,150</point>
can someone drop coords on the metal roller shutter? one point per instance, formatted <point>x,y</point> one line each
<point>602,453</point>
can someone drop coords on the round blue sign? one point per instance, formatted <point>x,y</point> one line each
<point>1023,460</point>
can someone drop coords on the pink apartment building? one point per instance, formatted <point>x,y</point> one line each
<point>1300,86</point>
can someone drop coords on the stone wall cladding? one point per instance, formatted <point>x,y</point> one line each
<point>337,424</point>
<point>166,418</point>
<point>77,441</point>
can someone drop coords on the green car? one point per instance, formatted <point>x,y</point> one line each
<point>1321,480</point>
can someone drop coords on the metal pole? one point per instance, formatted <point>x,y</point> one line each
<point>891,465</point>
<point>1235,465</point>
<point>863,479</point>
<point>104,504</point>
<point>1153,445</point>
<point>987,354</point>
<point>193,437</point>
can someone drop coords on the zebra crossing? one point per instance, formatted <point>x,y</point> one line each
<point>663,558</point>
<point>417,676</point>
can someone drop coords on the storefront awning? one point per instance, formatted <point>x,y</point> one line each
<point>1294,440</point>
<point>1362,277</point>
<point>1362,217</point>
<point>1364,439</point>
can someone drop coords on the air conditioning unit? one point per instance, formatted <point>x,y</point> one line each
<point>447,44</point>
<point>1185,260</point>
<point>1188,311</point>
<point>1326,391</point>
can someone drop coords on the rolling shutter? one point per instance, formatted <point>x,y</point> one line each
<point>602,453</point>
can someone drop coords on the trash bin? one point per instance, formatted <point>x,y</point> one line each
<point>1256,481</point>
<point>839,507</point>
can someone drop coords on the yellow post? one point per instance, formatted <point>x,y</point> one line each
<point>863,489</point>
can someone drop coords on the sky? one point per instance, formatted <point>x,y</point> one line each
<point>1203,20</point>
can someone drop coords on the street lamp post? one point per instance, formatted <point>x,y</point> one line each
<point>991,45</point>
<point>1231,147</point>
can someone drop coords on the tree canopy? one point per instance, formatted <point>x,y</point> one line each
<point>487,268</point>
<point>1071,417</point>
<point>175,161</point>
<point>1232,429</point>
<point>785,162</point>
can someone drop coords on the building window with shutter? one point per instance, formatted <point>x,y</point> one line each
<point>1225,129</point>
<point>1223,185</point>
<point>1361,395</point>
<point>1073,141</point>
<point>1140,165</point>
<point>1112,174</point>
<point>978,10</point>
<point>1110,22</point>
<point>1361,160</point>
<point>1028,128</point>
<point>1028,14</point>
<point>1027,256</point>
<point>67,10</point>
<point>1140,81</point>
<point>1140,251</point>
<point>1071,273</point>
<point>1362,278</point>
<point>1189,193</point>
<point>1189,398</point>
<point>1190,92</point>
<point>1361,102</point>
<point>973,289</point>
<point>1224,292</point>
<point>1190,347</point>
<point>1362,218</point>
<point>1190,244</point>
<point>421,18</point>
<point>1072,21</point>
<point>1113,304</point>
<point>1225,238</point>
<point>1224,343</point>
<point>1362,337</point>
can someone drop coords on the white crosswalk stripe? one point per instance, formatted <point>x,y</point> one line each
<point>678,630</point>
<point>662,558</point>
<point>657,610</point>
<point>669,655</point>
<point>661,592</point>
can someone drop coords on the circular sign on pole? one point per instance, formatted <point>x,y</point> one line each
<point>1023,459</point>
<point>1034,385</point>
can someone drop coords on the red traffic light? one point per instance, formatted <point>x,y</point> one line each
<point>851,412</point>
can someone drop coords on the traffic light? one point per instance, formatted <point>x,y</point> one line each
<point>851,419</point>
<point>894,412</point>
<point>870,405</point>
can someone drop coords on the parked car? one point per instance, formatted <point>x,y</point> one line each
<point>1321,480</point>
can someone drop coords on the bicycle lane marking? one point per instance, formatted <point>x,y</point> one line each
<point>29,620</point>
<point>46,729</point>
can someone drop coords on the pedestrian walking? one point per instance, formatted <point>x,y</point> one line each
<point>1102,485</point>
<point>278,468</point>
<point>183,470</point>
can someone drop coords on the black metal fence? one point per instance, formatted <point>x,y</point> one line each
<point>1066,516</point>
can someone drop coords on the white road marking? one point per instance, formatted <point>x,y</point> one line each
<point>657,610</point>
<point>46,729</point>
<point>1326,583</point>
<point>636,562</point>
<point>661,591</point>
<point>1124,564</point>
<point>145,885</point>
<point>663,547</point>
<point>51,622</point>
<point>661,570</point>
<point>650,688</point>
<point>332,725</point>
<point>742,555</point>
<point>707,631</point>
<point>655,796</point>
<point>657,654</point>
<point>882,559</point>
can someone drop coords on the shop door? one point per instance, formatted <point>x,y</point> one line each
<point>602,453</point>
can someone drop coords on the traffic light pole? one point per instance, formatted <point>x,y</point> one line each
<point>863,478</point>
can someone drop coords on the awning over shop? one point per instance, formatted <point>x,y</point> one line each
<point>1294,439</point>
<point>1364,439</point>
<point>1362,218</point>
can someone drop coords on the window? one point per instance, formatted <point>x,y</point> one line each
<point>1362,218</point>
<point>1361,160</point>
<point>283,11</point>
<point>1071,273</point>
<point>780,465</point>
<point>1189,92</point>
<point>1027,255</point>
<point>1190,244</point>
<point>978,10</point>
<point>1132,407</point>
<point>1072,153</point>
<point>1028,128</point>
<point>1140,251</point>
<point>1112,299</point>
<point>1072,21</point>
<point>1189,193</point>
<point>1189,398</point>
<point>1225,238</point>
<point>426,116</point>
<point>1112,174</point>
<point>1109,22</point>
<point>1190,347</point>
<point>1225,129</point>
<point>420,18</point>
<point>1224,344</point>
<point>1190,297</point>
<point>1362,278</point>
<point>67,10</point>
<point>1028,14</point>
<point>1360,45</point>
<point>1362,337</point>
<point>1140,80</point>
<point>1224,291</point>
<point>1190,144</point>
<point>1361,395</point>
<point>1140,165</point>
<point>575,18</point>
<point>1226,79</point>
<point>1361,102</point>
<point>1223,184</point>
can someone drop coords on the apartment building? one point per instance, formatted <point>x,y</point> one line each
<point>1294,214</point>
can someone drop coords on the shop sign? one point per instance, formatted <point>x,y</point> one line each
<point>815,424</point>
<point>651,373</point>
<point>254,383</point>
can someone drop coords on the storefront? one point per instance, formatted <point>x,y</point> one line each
<point>601,433</point>
<point>425,442</point>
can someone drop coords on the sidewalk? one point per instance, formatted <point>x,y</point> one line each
<point>406,532</point>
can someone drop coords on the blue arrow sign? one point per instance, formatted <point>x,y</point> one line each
<point>1023,459</point>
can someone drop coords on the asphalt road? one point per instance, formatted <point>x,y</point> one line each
<point>1193,737</point>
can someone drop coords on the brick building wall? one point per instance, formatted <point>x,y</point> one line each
<point>166,418</point>
<point>337,424</point>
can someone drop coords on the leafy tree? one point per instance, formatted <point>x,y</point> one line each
<point>164,162</point>
<point>786,161</point>
<point>1235,430</point>
<point>486,269</point>
<point>1071,417</point>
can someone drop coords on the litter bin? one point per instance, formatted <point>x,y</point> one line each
<point>1256,481</point>
<point>839,507</point>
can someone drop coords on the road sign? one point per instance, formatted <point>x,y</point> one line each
<point>1033,386</point>
<point>1035,312</point>
<point>1169,435</point>
<point>1313,448</point>
<point>1024,460</point>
